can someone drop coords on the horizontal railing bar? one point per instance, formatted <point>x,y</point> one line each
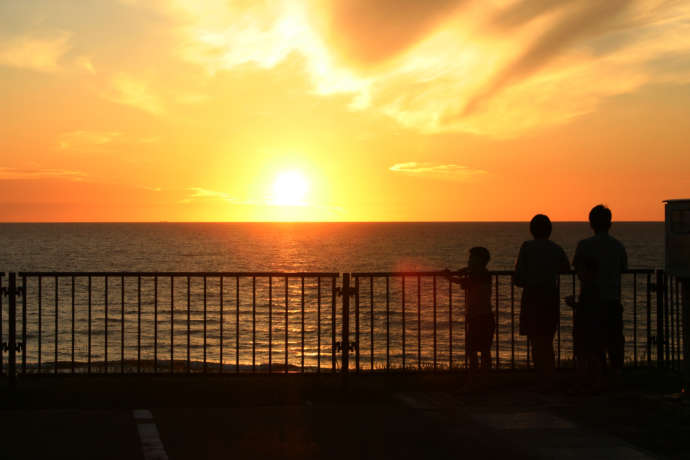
<point>492,272</point>
<point>642,271</point>
<point>192,274</point>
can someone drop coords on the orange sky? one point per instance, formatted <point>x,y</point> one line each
<point>181,110</point>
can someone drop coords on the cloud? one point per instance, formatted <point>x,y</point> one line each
<point>202,193</point>
<point>437,170</point>
<point>448,66</point>
<point>367,32</point>
<point>35,53</point>
<point>7,173</point>
<point>588,18</point>
<point>79,139</point>
<point>129,90</point>
<point>85,63</point>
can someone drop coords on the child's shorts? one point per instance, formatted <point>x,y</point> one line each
<point>480,332</point>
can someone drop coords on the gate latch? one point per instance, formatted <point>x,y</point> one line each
<point>18,291</point>
<point>353,346</point>
<point>19,346</point>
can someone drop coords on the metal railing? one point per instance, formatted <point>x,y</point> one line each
<point>279,322</point>
<point>419,320</point>
<point>108,322</point>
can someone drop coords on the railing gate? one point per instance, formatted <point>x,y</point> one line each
<point>11,346</point>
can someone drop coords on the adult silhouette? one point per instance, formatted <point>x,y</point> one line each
<point>538,265</point>
<point>611,260</point>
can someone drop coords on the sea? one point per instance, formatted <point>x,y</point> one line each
<point>244,323</point>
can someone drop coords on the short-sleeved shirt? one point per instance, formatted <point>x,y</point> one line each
<point>477,287</point>
<point>539,263</point>
<point>611,258</point>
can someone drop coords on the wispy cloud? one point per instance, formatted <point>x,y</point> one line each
<point>129,90</point>
<point>492,68</point>
<point>86,64</point>
<point>199,193</point>
<point>7,173</point>
<point>79,139</point>
<point>437,170</point>
<point>35,53</point>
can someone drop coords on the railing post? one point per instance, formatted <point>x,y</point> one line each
<point>12,293</point>
<point>345,291</point>
<point>660,339</point>
<point>685,302</point>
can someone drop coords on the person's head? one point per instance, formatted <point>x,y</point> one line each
<point>600,219</point>
<point>479,258</point>
<point>540,227</point>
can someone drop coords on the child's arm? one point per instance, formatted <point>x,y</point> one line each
<point>456,277</point>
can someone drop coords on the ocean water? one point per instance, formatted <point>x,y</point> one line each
<point>247,322</point>
<point>338,247</point>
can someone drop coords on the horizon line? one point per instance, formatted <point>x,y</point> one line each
<point>306,221</point>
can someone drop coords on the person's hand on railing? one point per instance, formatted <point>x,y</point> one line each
<point>570,301</point>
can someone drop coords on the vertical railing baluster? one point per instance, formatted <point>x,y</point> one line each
<point>419,323</point>
<point>302,327</point>
<point>253,323</point>
<point>660,318</point>
<point>679,344</point>
<point>318,325</point>
<point>105,361</point>
<point>558,329</point>
<point>2,358</point>
<point>649,319</point>
<point>73,305</point>
<point>138,323</point>
<point>11,331</point>
<point>357,324</point>
<point>270,323</point>
<point>678,337</point>
<point>403,321</point>
<point>466,329</point>
<point>286,324</point>
<point>333,331</point>
<point>371,322</point>
<point>189,327</point>
<point>172,324</point>
<point>24,302</point>
<point>434,307</point>
<point>205,310</point>
<point>220,361</point>
<point>450,324</point>
<point>155,324</point>
<point>122,324</point>
<point>57,285</point>
<point>40,321</point>
<point>635,319</point>
<point>88,368</point>
<point>388,324</point>
<point>498,349</point>
<point>669,321</point>
<point>667,307</point>
<point>512,325</point>
<point>345,334</point>
<point>237,324</point>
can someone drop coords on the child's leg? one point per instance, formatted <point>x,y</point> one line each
<point>474,360</point>
<point>486,359</point>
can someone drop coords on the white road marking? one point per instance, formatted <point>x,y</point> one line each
<point>151,444</point>
<point>142,414</point>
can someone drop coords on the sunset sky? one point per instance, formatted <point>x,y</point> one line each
<point>345,110</point>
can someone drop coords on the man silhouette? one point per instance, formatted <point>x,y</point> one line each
<point>611,259</point>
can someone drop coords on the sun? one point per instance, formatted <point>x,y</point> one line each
<point>290,188</point>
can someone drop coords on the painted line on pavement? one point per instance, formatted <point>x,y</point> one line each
<point>151,444</point>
